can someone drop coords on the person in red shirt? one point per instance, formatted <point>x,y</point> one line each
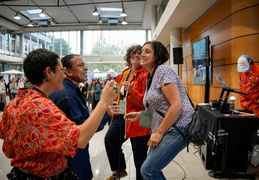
<point>37,134</point>
<point>249,83</point>
<point>132,89</point>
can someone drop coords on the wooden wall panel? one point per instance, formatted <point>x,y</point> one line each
<point>221,54</point>
<point>246,45</point>
<point>221,32</point>
<point>197,93</point>
<point>237,5</point>
<point>245,22</point>
<point>228,52</point>
<point>233,28</point>
<point>220,11</point>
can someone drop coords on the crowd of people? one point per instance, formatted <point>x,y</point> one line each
<point>46,128</point>
<point>10,89</point>
<point>91,92</point>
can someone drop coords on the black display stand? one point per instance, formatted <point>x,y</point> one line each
<point>228,140</point>
<point>212,161</point>
<point>207,157</point>
<point>223,104</point>
<point>207,86</point>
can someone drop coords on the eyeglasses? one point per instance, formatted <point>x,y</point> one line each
<point>63,69</point>
<point>81,65</point>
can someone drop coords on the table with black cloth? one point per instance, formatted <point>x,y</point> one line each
<point>225,129</point>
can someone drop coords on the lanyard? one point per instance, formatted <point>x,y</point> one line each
<point>36,89</point>
<point>150,78</point>
<point>149,82</point>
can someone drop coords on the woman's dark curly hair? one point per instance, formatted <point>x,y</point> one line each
<point>160,52</point>
<point>131,50</point>
<point>36,62</point>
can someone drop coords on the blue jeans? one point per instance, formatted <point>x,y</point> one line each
<point>159,157</point>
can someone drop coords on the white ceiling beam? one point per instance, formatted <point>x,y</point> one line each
<point>9,25</point>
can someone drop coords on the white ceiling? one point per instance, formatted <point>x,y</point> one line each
<point>77,14</point>
<point>72,14</point>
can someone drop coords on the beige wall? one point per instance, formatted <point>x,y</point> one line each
<point>233,29</point>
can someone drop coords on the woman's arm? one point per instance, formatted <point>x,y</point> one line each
<point>172,94</point>
<point>132,116</point>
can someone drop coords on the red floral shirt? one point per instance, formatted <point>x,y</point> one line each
<point>37,134</point>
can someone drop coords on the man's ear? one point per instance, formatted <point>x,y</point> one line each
<point>69,72</point>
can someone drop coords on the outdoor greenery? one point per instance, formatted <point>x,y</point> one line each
<point>103,48</point>
<point>105,67</point>
<point>100,48</point>
<point>65,46</point>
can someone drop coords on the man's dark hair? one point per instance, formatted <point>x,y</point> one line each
<point>66,60</point>
<point>36,62</point>
<point>1,77</point>
<point>160,52</point>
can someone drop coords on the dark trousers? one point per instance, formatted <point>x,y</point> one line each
<point>81,165</point>
<point>94,103</point>
<point>114,139</point>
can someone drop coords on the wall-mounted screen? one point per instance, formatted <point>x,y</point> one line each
<point>201,53</point>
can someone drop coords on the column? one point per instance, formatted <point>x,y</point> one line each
<point>153,19</point>
<point>81,42</point>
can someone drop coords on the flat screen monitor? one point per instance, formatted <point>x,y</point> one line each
<point>201,53</point>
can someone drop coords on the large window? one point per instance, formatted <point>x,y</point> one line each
<point>99,44</point>
<point>93,43</point>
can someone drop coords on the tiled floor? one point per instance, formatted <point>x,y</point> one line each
<point>186,165</point>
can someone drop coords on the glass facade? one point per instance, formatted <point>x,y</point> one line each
<point>94,42</point>
<point>101,43</point>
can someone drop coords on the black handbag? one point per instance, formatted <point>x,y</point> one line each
<point>197,131</point>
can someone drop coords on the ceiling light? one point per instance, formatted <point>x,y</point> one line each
<point>17,16</point>
<point>100,21</point>
<point>42,14</point>
<point>123,14</point>
<point>124,22</point>
<point>95,13</point>
<point>30,24</point>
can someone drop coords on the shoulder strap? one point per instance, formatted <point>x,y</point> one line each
<point>190,100</point>
<point>184,136</point>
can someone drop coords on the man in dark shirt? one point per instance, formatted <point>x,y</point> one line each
<point>109,78</point>
<point>72,103</point>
